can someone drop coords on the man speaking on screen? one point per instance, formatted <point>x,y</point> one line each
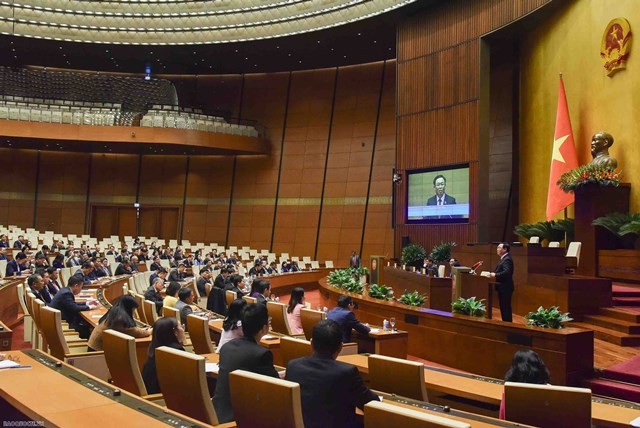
<point>440,198</point>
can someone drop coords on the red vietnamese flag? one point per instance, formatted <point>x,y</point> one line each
<point>564,157</point>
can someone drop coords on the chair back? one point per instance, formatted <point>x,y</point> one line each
<point>3,268</point>
<point>20,288</point>
<point>139,313</point>
<point>397,376</point>
<point>51,325</point>
<point>534,240</point>
<point>184,385</point>
<point>150,312</point>
<point>554,244</point>
<point>573,252</point>
<point>292,348</point>
<point>230,296</point>
<point>328,264</point>
<point>383,415</point>
<point>120,354</point>
<point>279,320</point>
<point>315,264</point>
<point>195,269</point>
<point>250,300</point>
<point>171,312</point>
<point>198,328</point>
<point>441,271</point>
<point>272,402</point>
<point>555,406</point>
<point>309,318</point>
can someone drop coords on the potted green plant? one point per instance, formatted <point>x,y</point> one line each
<point>346,279</point>
<point>624,226</point>
<point>441,253</point>
<point>382,292</point>
<point>413,255</point>
<point>548,318</point>
<point>412,299</point>
<point>546,230</point>
<point>470,306</point>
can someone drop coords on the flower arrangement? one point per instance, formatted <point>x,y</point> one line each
<point>589,174</point>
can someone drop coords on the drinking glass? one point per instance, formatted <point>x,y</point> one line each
<point>392,322</point>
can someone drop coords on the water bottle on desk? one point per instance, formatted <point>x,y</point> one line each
<point>385,325</point>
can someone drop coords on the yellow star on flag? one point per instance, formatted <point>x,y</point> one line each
<point>556,149</point>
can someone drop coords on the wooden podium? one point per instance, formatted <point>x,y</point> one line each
<point>592,202</point>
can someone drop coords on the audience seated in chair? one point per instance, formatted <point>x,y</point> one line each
<point>66,303</point>
<point>344,316</point>
<point>232,324</point>
<point>293,310</point>
<point>153,294</point>
<point>330,390</point>
<point>166,332</point>
<point>171,297</point>
<point>526,367</point>
<point>120,318</point>
<point>243,353</point>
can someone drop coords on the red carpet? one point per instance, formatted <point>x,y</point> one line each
<point>626,296</point>
<point>629,371</point>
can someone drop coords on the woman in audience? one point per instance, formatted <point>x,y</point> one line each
<point>172,295</point>
<point>232,326</point>
<point>119,318</point>
<point>58,262</point>
<point>293,310</point>
<point>526,367</point>
<point>166,332</point>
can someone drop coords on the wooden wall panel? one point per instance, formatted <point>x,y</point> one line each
<point>439,109</point>
<point>17,187</point>
<point>303,162</point>
<point>62,191</point>
<point>114,178</point>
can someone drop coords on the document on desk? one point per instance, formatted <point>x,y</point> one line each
<point>211,367</point>
<point>8,364</point>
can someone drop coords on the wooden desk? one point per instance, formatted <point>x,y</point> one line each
<point>6,335</point>
<point>74,399</point>
<point>438,290</point>
<point>283,283</point>
<point>477,345</point>
<point>479,287</point>
<point>442,384</point>
<point>390,343</point>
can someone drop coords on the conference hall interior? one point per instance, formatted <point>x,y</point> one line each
<point>320,213</point>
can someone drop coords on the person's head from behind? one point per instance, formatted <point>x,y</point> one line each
<point>236,280</point>
<point>345,302</point>
<point>166,332</point>
<point>186,295</point>
<point>439,184</point>
<point>326,338</point>
<point>234,314</point>
<point>120,315</point>
<point>527,367</point>
<point>75,284</point>
<point>297,297</point>
<point>255,321</point>
<point>173,288</point>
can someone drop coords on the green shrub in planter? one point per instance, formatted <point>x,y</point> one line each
<point>548,318</point>
<point>413,255</point>
<point>470,306</point>
<point>441,253</point>
<point>413,299</point>
<point>381,292</point>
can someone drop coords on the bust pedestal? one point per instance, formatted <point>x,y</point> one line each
<point>594,201</point>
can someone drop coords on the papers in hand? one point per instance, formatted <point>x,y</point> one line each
<point>211,367</point>
<point>485,274</point>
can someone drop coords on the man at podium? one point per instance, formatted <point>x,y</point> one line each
<point>504,279</point>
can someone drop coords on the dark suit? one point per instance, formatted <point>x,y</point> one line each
<point>347,321</point>
<point>14,268</point>
<point>239,354</point>
<point>448,200</point>
<point>329,391</point>
<point>155,266</point>
<point>219,281</point>
<point>152,295</point>
<point>504,286</point>
<point>43,295</point>
<point>18,245</point>
<point>121,270</point>
<point>354,261</point>
<point>176,276</point>
<point>201,283</point>
<point>65,302</point>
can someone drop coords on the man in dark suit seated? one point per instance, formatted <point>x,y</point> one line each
<point>156,266</point>
<point>4,241</point>
<point>430,268</point>
<point>344,316</point>
<point>440,198</point>
<point>504,281</point>
<point>204,282</point>
<point>221,279</point>
<point>162,273</point>
<point>124,268</point>
<point>20,242</point>
<point>84,272</point>
<point>244,353</point>
<point>38,288</point>
<point>3,253</point>
<point>178,274</point>
<point>66,303</point>
<point>153,294</point>
<point>330,390</point>
<point>17,266</point>
<point>98,270</point>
